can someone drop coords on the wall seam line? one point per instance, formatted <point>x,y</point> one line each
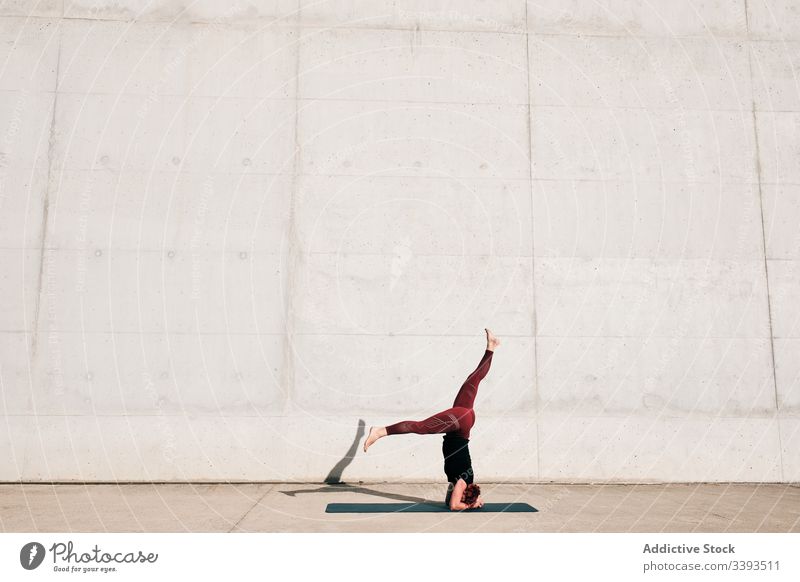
<point>292,242</point>
<point>533,254</point>
<point>763,238</point>
<point>46,201</point>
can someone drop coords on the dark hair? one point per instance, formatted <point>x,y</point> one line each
<point>470,493</point>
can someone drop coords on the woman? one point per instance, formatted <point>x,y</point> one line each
<point>455,423</point>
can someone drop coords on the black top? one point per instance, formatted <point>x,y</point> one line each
<point>457,462</point>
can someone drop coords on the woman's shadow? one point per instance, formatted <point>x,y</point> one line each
<point>334,484</point>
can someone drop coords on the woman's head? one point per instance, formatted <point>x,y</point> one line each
<point>470,493</point>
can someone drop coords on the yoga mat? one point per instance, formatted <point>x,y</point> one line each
<point>423,508</point>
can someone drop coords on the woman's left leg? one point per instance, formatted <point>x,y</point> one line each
<point>456,419</point>
<point>450,420</point>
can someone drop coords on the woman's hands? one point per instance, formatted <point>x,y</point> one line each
<point>477,504</point>
<point>457,493</point>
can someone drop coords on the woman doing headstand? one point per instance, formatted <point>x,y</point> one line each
<point>455,423</point>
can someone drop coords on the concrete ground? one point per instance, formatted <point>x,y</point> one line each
<point>292,507</point>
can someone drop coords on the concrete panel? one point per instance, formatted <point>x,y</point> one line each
<point>790,448</point>
<point>171,374</point>
<point>675,377</point>
<point>498,16</point>
<point>646,144</point>
<point>240,135</point>
<point>781,216</point>
<point>25,122</point>
<point>82,448</point>
<point>427,66</point>
<point>779,146</point>
<point>122,448</point>
<point>271,448</point>
<point>116,132</point>
<point>775,65</point>
<point>200,134</point>
<point>624,18</point>
<point>29,53</point>
<point>12,447</point>
<point>407,377</point>
<point>407,216</point>
<point>671,73</point>
<point>15,371</point>
<point>614,219</point>
<point>784,283</point>
<point>160,59</point>
<point>643,298</point>
<point>400,139</point>
<point>776,19</point>
<point>165,291</point>
<point>505,448</point>
<point>787,374</point>
<point>663,449</point>
<point>19,288</point>
<point>283,11</point>
<point>22,193</point>
<point>28,8</point>
<point>427,294</point>
<point>237,212</point>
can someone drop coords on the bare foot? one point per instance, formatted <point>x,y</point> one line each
<point>374,434</point>
<point>491,341</point>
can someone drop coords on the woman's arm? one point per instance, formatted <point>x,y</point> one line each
<point>477,504</point>
<point>458,492</point>
<point>456,495</point>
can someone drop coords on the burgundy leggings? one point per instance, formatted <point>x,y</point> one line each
<point>458,419</point>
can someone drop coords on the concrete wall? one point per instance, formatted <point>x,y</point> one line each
<point>232,230</point>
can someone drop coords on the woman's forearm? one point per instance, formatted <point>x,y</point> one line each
<point>458,506</point>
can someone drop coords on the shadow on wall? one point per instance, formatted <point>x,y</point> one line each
<point>335,474</point>
<point>334,484</point>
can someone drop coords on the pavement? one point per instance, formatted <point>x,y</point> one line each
<point>300,507</point>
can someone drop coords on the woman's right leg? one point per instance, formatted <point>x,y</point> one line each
<point>469,389</point>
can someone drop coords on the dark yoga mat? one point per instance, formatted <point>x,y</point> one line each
<point>423,508</point>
